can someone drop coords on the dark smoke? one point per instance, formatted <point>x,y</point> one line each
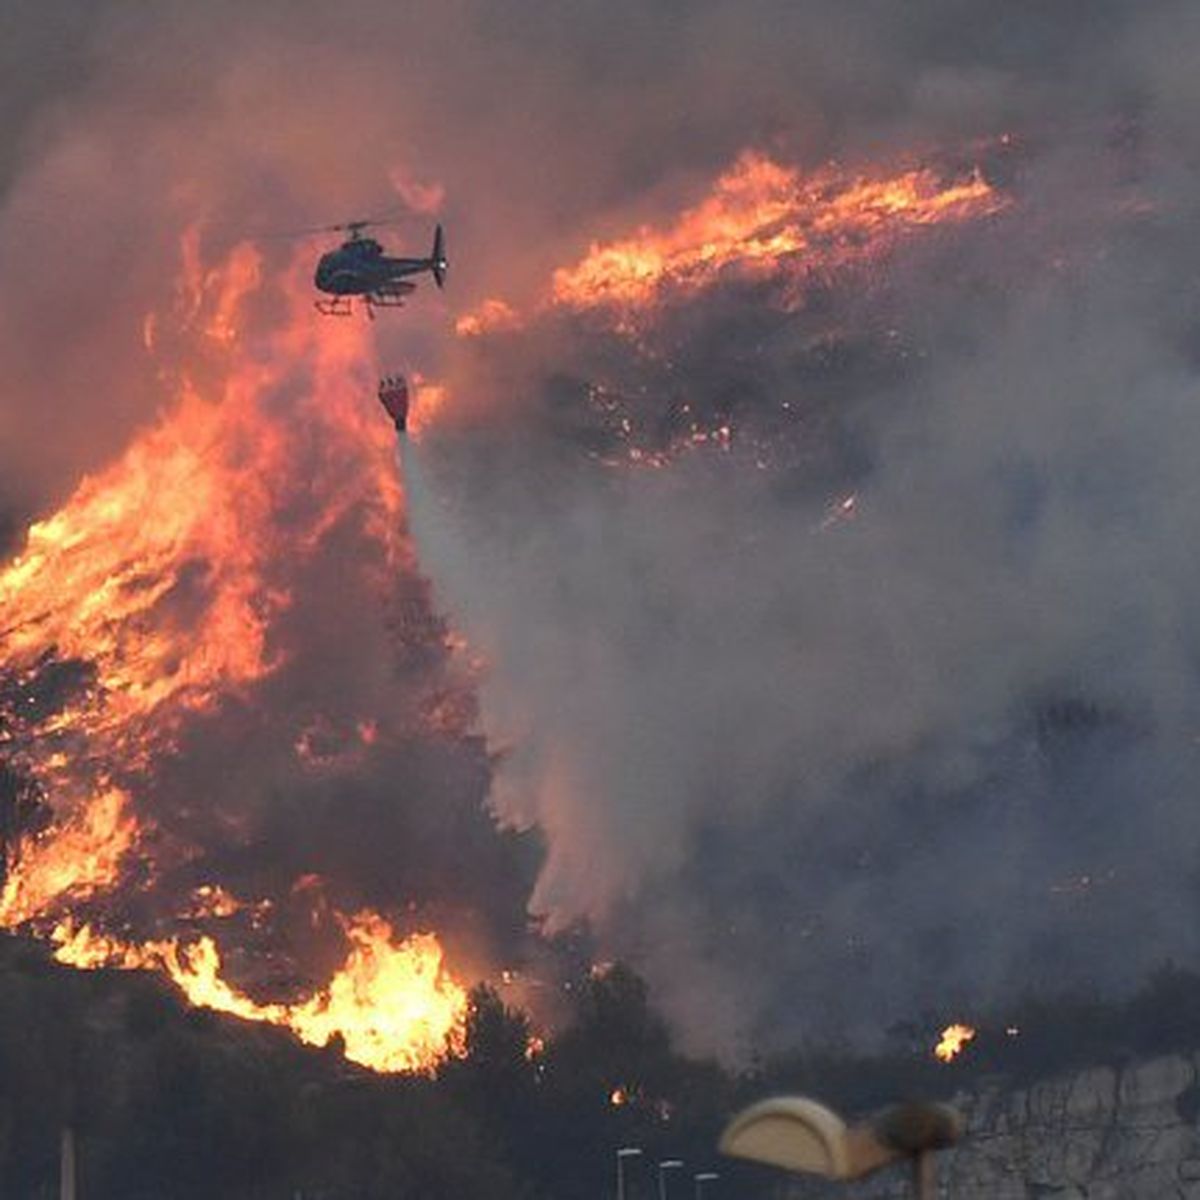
<point>816,771</point>
<point>803,776</point>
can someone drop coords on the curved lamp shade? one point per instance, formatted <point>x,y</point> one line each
<point>800,1134</point>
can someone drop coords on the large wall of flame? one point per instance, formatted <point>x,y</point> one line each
<point>200,432</point>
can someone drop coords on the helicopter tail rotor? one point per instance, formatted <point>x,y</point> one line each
<point>438,263</point>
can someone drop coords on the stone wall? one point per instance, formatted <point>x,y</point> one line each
<point>1108,1133</point>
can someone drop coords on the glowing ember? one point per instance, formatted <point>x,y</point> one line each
<point>844,510</point>
<point>761,214</point>
<point>210,901</point>
<point>393,1003</point>
<point>953,1040</point>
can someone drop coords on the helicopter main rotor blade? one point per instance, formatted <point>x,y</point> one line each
<point>340,227</point>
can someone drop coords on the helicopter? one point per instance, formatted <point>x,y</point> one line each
<point>359,267</point>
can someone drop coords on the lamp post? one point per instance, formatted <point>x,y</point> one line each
<point>667,1164</point>
<point>701,1179</point>
<point>622,1154</point>
<point>800,1134</point>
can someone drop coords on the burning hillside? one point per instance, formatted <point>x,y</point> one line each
<point>169,657</point>
<point>167,616</point>
<point>765,222</point>
<point>797,672</point>
<point>763,219</point>
<point>245,753</point>
<point>659,318</point>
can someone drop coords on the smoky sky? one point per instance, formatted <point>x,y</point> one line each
<point>812,770</point>
<point>805,777</point>
<point>123,122</point>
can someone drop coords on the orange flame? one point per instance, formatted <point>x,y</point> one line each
<point>761,222</point>
<point>162,575</point>
<point>75,859</point>
<point>760,214</point>
<point>429,399</point>
<point>211,901</point>
<point>952,1042</point>
<point>159,573</point>
<point>393,1003</point>
<point>492,316</point>
<point>106,580</point>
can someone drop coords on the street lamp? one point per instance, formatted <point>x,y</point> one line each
<point>667,1164</point>
<point>701,1179</point>
<point>622,1154</point>
<point>800,1134</point>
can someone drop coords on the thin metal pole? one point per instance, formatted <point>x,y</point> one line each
<point>665,1165</point>
<point>623,1153</point>
<point>66,1169</point>
<point>701,1179</point>
<point>925,1175</point>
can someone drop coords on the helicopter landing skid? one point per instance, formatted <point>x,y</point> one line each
<point>338,307</point>
<point>375,300</point>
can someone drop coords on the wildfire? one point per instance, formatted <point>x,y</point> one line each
<point>210,901</point>
<point>157,572</point>
<point>160,575</point>
<point>759,215</point>
<point>492,316</point>
<point>428,399</point>
<point>787,231</point>
<point>163,578</point>
<point>392,1002</point>
<point>952,1042</point>
<point>761,220</point>
<point>73,860</point>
